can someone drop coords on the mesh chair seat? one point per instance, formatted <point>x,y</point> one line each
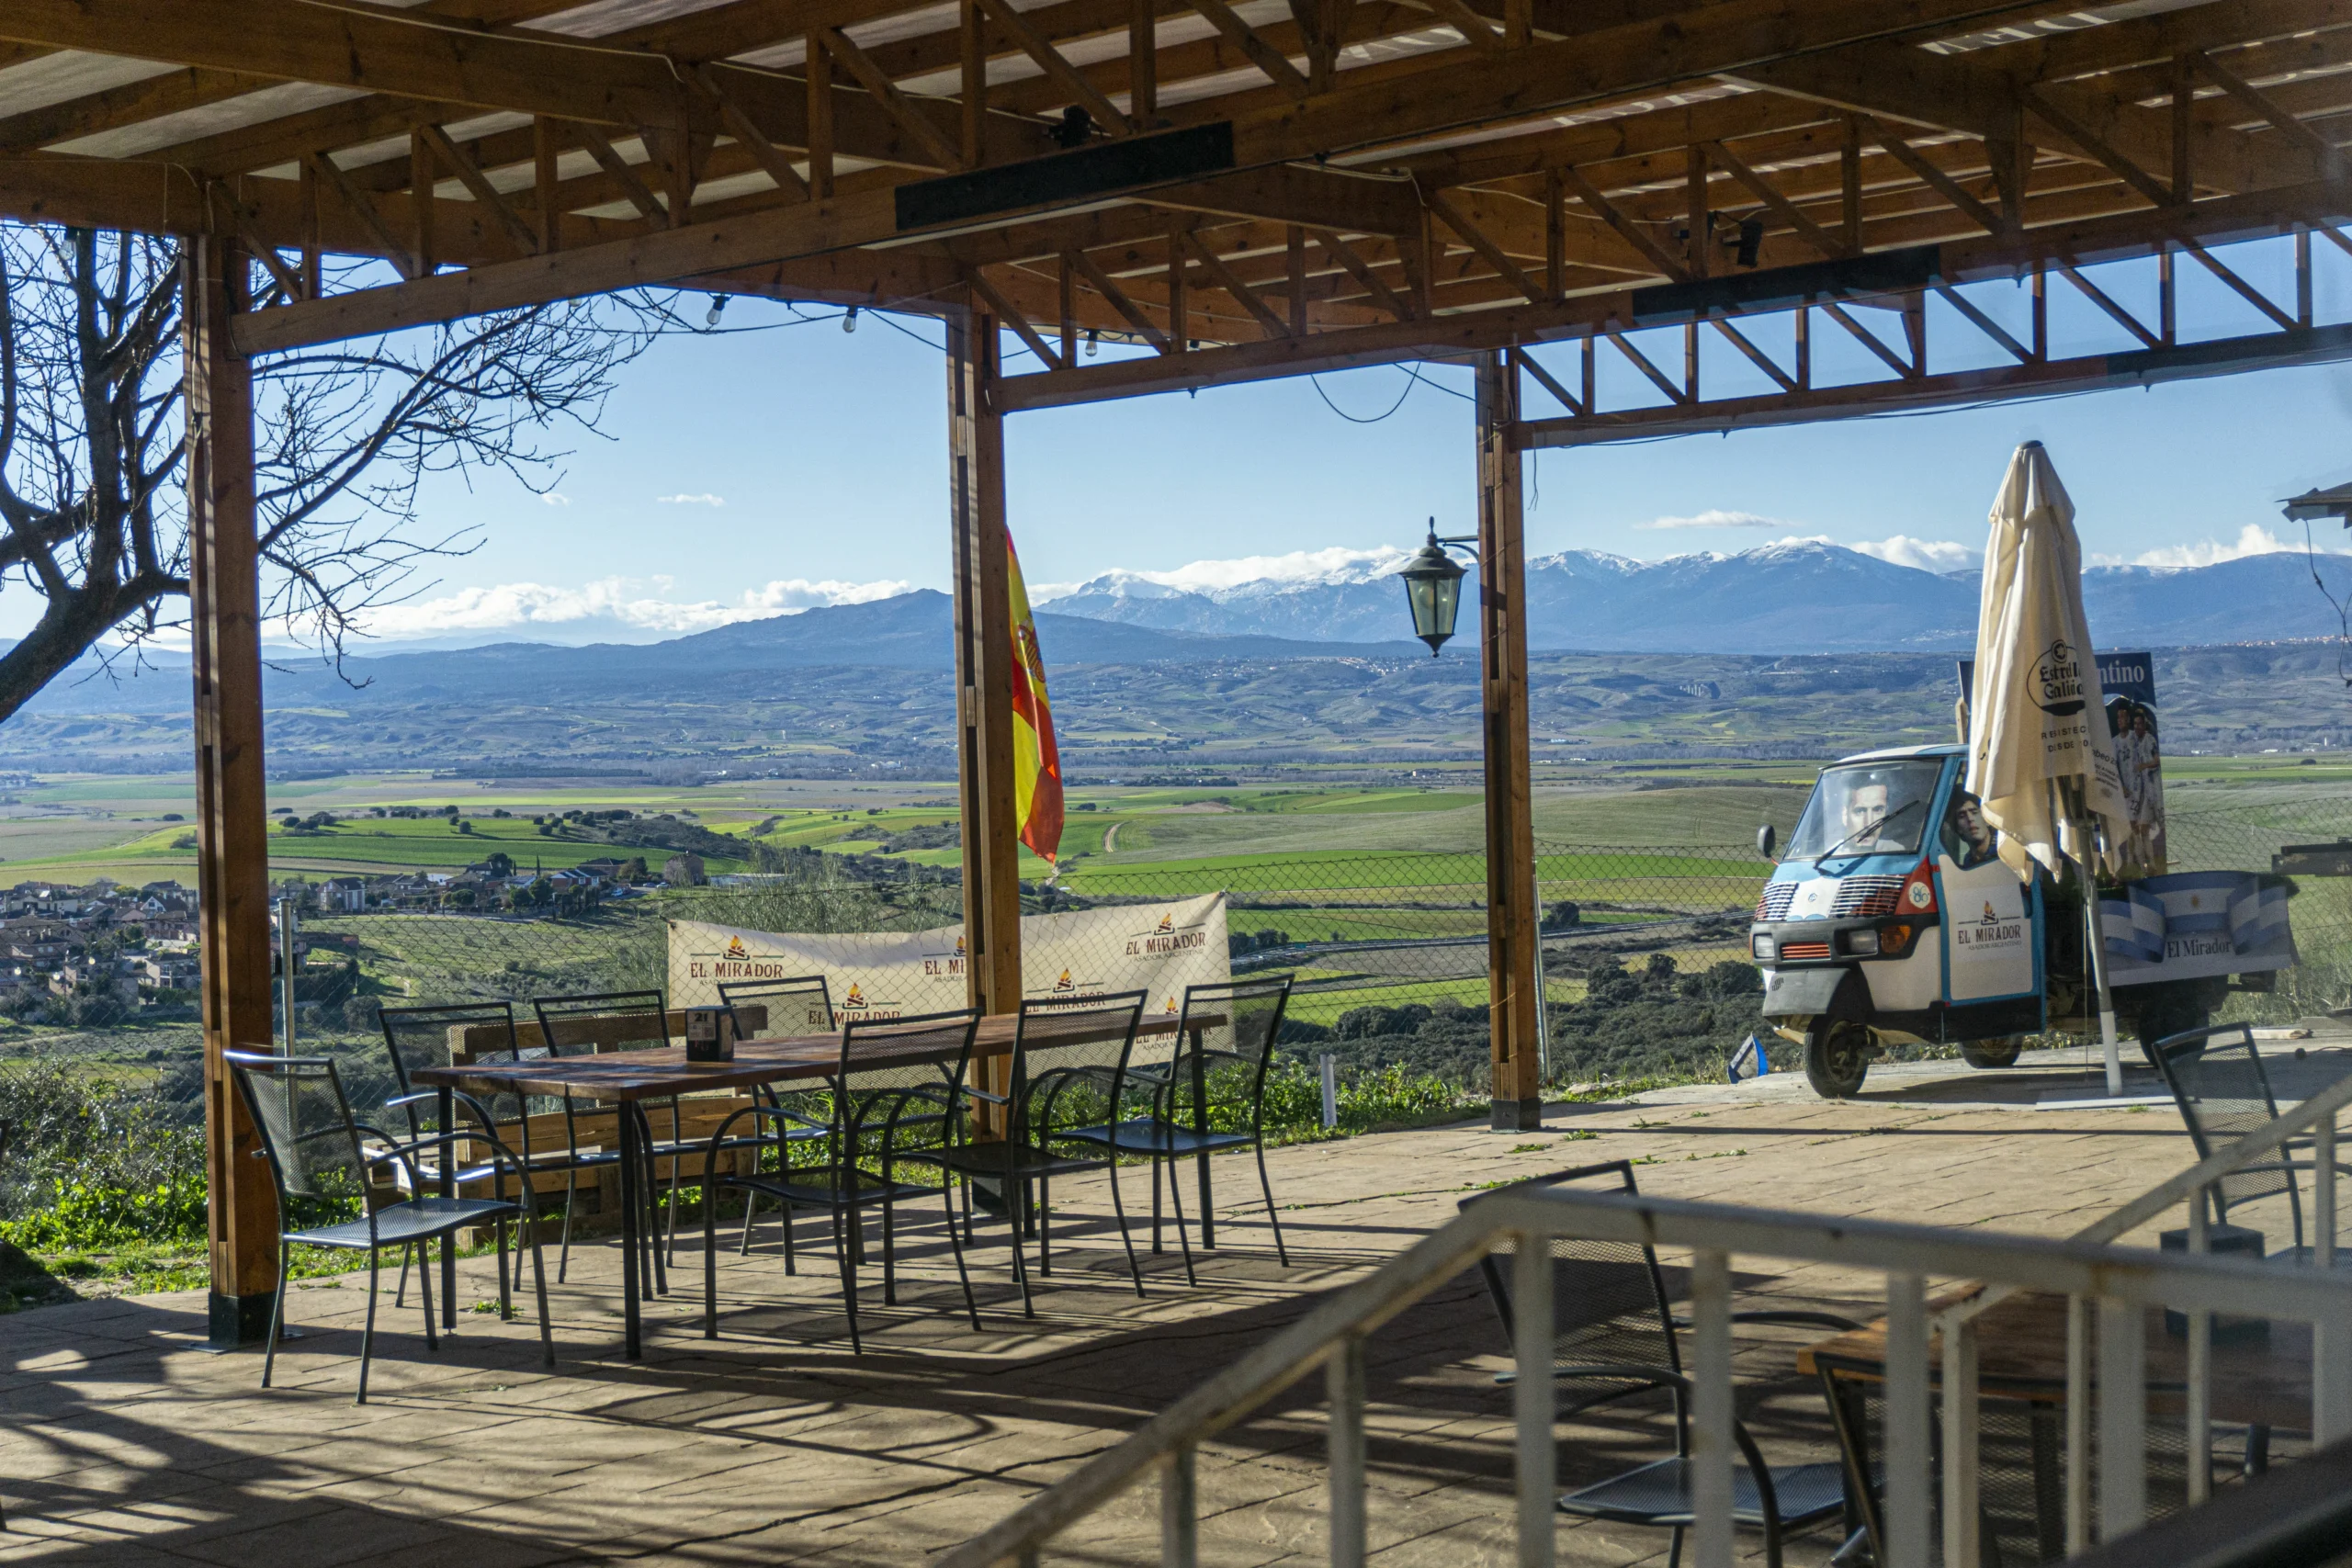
<point>1022,1161</point>
<point>797,1188</point>
<point>1149,1135</point>
<point>1659,1494</point>
<point>416,1219</point>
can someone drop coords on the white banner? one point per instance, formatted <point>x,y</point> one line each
<point>1159,948</point>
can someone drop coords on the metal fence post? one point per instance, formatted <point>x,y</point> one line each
<point>1178,1510</point>
<point>2079,1426</point>
<point>1329,1066</point>
<point>1343,1376</point>
<point>1712,1444</point>
<point>1962,1476</point>
<point>1907,1456</point>
<point>1533,1400</point>
<point>2200,1370</point>
<point>2123,1418</point>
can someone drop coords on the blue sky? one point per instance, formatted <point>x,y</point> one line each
<point>758,470</point>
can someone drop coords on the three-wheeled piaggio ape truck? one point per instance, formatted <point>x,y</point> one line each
<point>1890,921</point>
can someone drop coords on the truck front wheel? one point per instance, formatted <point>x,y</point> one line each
<point>2173,1010</point>
<point>1837,1055</point>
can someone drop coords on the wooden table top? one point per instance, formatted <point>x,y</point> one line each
<point>657,1074</point>
<point>2021,1353</point>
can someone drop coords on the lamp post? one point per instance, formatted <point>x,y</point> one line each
<point>1433,586</point>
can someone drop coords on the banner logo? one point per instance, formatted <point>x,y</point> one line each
<point>2058,675</point>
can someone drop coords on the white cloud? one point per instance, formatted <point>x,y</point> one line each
<point>684,500</point>
<point>1715,517</point>
<point>2253,539</point>
<point>555,498</point>
<point>518,605</point>
<point>1928,555</point>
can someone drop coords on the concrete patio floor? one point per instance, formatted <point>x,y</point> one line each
<point>126,1442</point>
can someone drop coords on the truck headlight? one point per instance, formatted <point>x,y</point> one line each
<point>1762,947</point>
<point>1863,942</point>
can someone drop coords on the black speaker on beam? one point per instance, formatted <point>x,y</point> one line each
<point>1103,168</point>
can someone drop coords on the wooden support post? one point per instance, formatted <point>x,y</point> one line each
<point>1556,235</point>
<point>421,176</point>
<point>1850,188</point>
<point>983,666</point>
<point>545,177</point>
<point>313,266</point>
<point>233,850</point>
<point>1515,1010</point>
<point>1179,326</point>
<point>820,67</point>
<point>1142,63</point>
<point>1296,240</point>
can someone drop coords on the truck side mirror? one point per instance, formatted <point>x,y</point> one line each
<point>1765,840</point>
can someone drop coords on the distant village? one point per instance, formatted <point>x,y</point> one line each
<point>66,950</point>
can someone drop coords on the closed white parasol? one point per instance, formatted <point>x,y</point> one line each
<point>2039,753</point>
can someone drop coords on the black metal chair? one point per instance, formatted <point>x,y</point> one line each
<point>796,1007</point>
<point>1204,1092</point>
<point>422,1037</point>
<point>1613,1337</point>
<point>602,1021</point>
<point>320,1159</point>
<point>893,1098</point>
<point>1062,1046</point>
<point>2223,1091</point>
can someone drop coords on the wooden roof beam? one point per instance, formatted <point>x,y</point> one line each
<point>377,51</point>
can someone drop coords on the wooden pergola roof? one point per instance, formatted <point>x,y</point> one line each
<point>1245,188</point>
<point>1250,189</point>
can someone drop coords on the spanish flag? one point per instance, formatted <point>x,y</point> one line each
<point>1036,764</point>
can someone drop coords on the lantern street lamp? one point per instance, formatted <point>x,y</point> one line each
<point>1433,586</point>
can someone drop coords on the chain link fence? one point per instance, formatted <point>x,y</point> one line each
<point>1645,968</point>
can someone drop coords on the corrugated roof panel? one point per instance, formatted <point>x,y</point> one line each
<point>210,120</point>
<point>67,75</point>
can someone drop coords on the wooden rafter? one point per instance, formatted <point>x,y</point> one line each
<point>1485,247</point>
<point>395,249</point>
<point>1011,316</point>
<point>618,170</point>
<point>1354,266</point>
<point>941,146</point>
<point>773,160</point>
<point>1608,211</point>
<point>1781,206</point>
<point>454,158</point>
<point>1049,60</point>
<point>1261,55</point>
<point>1120,301</point>
<point>1242,294</point>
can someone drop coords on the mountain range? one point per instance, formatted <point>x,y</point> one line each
<point>1795,597</point>
<point>1790,649</point>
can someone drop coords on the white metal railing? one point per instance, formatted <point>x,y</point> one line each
<point>2109,1288</point>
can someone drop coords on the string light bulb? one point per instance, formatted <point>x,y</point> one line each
<point>717,309</point>
<point>1094,341</point>
<point>849,321</point>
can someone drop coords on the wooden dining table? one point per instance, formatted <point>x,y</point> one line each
<point>629,1078</point>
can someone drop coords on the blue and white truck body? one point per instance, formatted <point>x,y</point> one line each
<point>1888,921</point>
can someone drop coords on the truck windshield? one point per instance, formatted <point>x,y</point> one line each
<point>1868,809</point>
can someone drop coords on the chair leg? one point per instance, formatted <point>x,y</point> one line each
<point>277,1313</point>
<point>1674,1555</point>
<point>846,1260</point>
<point>1156,1249</point>
<point>889,1253</point>
<point>783,1219</point>
<point>400,1294</point>
<point>710,1256</point>
<point>1133,1271</point>
<point>425,1290</point>
<point>539,1282</point>
<point>571,1202</point>
<point>505,1290</point>
<point>368,1330</point>
<point>750,1209</point>
<point>1176,1193</point>
<point>955,1244</point>
<point>1272,1218</point>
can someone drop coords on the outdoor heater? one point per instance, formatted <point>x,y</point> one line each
<point>1433,586</point>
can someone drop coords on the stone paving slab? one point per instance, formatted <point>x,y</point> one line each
<point>125,1443</point>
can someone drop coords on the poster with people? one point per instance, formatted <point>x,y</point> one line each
<point>2129,681</point>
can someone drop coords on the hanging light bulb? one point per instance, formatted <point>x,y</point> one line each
<point>1094,341</point>
<point>849,321</point>
<point>718,307</point>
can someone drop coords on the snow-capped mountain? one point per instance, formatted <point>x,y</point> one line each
<point>1799,596</point>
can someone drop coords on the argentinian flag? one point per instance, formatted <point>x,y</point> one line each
<point>2134,926</point>
<point>2258,920</point>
